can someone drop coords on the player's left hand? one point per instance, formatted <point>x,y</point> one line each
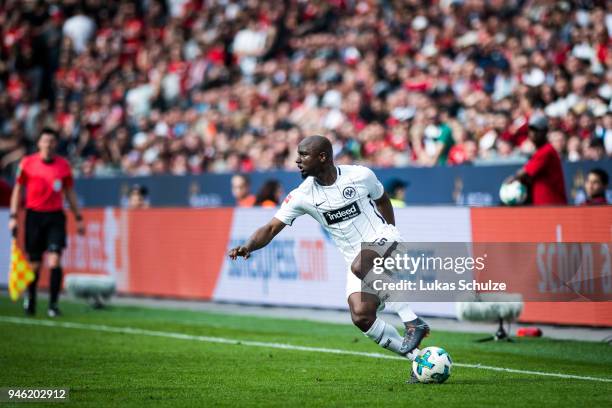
<point>80,227</point>
<point>242,251</point>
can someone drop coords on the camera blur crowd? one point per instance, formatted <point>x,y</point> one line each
<point>192,86</point>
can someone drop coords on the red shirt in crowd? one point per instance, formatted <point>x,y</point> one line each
<point>548,186</point>
<point>44,182</point>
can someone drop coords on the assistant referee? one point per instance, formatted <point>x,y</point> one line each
<point>46,178</point>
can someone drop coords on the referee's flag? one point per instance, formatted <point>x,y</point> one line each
<point>20,272</point>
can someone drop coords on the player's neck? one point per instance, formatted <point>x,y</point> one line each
<point>328,176</point>
<point>47,158</point>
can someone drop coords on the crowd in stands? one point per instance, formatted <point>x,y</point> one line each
<point>191,86</point>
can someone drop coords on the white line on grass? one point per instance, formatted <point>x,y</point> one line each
<point>208,339</point>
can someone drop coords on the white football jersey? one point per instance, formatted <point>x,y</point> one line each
<point>345,209</point>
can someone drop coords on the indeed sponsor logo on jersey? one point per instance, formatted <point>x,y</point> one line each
<point>342,214</point>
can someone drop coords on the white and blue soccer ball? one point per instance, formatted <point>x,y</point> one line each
<point>513,193</point>
<point>432,365</point>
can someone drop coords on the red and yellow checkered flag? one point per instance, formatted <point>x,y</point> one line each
<point>20,272</point>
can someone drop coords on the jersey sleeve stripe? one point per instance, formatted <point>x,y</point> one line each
<point>376,212</point>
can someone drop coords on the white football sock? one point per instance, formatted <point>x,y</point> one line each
<point>385,335</point>
<point>402,309</point>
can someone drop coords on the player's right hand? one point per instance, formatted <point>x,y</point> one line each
<point>242,251</point>
<point>510,179</point>
<point>12,226</point>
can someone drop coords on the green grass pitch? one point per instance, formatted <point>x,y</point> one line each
<point>104,369</point>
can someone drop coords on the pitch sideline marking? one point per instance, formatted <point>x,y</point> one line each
<point>222,340</point>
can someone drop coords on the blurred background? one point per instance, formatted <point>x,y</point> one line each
<point>163,103</point>
<point>191,87</point>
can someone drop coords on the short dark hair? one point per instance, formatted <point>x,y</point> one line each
<point>49,131</point>
<point>601,173</point>
<point>320,144</point>
<point>394,184</point>
<point>596,142</point>
<point>140,189</point>
<point>268,191</point>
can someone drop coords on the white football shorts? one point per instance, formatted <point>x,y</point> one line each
<point>353,283</point>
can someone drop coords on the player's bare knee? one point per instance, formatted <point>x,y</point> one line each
<point>363,311</point>
<point>356,267</point>
<point>363,319</point>
<point>363,263</point>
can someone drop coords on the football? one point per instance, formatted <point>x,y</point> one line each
<point>514,193</point>
<point>432,365</point>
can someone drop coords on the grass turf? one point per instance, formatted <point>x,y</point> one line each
<point>114,369</point>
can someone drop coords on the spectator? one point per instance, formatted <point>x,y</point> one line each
<point>574,149</point>
<point>79,29</point>
<point>396,189</point>
<point>137,197</point>
<point>186,87</point>
<point>241,190</point>
<point>543,173</point>
<point>594,149</point>
<point>444,141</point>
<point>595,187</point>
<point>557,141</point>
<point>270,194</point>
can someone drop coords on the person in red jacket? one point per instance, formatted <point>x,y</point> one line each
<point>543,173</point>
<point>47,179</point>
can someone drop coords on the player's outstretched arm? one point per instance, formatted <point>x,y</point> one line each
<point>259,239</point>
<point>385,208</point>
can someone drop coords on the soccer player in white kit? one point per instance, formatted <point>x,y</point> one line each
<point>351,204</point>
